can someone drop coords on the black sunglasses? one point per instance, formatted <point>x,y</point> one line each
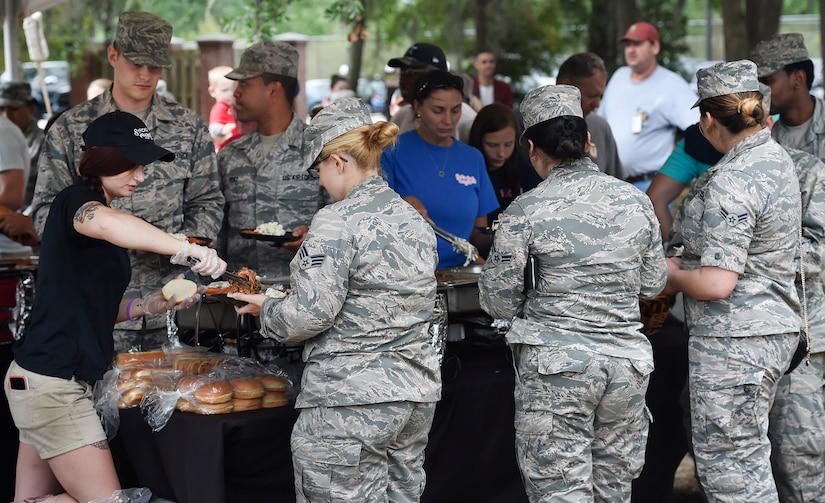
<point>313,171</point>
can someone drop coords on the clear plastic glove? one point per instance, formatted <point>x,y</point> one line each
<point>203,260</point>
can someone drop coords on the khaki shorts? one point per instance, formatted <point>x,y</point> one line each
<point>53,415</point>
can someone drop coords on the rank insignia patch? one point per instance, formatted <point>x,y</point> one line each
<point>306,260</point>
<point>733,219</point>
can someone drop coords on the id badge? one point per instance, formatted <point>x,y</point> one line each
<point>636,122</point>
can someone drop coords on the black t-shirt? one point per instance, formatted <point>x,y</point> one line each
<point>80,283</point>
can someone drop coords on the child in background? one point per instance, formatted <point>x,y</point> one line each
<point>222,124</point>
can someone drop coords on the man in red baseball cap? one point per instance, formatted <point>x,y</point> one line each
<point>645,104</point>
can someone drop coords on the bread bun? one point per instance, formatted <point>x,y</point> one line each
<point>274,399</point>
<point>128,360</point>
<point>247,388</point>
<point>214,392</point>
<point>132,397</point>
<point>215,408</point>
<point>180,288</point>
<point>185,405</point>
<point>273,383</point>
<point>241,404</point>
<point>127,384</point>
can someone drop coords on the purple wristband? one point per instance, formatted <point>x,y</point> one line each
<point>129,309</point>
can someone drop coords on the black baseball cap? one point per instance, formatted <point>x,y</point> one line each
<point>128,135</point>
<point>419,55</point>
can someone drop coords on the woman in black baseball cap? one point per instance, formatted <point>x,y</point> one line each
<point>83,272</point>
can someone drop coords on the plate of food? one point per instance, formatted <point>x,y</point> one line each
<point>272,232</point>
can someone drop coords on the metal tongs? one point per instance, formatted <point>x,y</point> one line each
<point>460,245</point>
<point>228,276</point>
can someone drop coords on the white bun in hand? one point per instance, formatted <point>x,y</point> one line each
<point>182,289</point>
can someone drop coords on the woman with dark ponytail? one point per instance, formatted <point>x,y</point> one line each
<point>569,261</point>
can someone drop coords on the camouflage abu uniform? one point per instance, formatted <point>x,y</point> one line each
<point>179,196</point>
<point>797,418</point>
<point>259,187</point>
<point>582,364</point>
<point>363,291</point>
<point>774,54</point>
<point>742,215</point>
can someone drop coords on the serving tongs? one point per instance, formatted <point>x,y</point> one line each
<point>459,244</point>
<point>228,276</point>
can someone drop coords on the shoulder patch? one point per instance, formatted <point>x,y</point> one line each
<point>307,260</point>
<point>733,219</point>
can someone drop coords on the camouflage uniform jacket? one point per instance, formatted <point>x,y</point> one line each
<point>179,196</point>
<point>363,292</point>
<point>810,172</point>
<point>743,215</point>
<point>598,247</point>
<point>814,136</point>
<point>258,189</point>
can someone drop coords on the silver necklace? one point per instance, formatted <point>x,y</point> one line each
<point>443,171</point>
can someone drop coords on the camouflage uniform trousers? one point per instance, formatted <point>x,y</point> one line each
<point>139,340</point>
<point>361,453</point>
<point>733,382</point>
<point>797,433</point>
<point>581,423</point>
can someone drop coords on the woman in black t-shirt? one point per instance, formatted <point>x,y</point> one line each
<point>84,271</point>
<point>494,133</point>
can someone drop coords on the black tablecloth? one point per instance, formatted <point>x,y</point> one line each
<point>471,453</point>
<point>237,457</point>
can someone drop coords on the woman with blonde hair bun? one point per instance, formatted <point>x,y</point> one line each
<point>740,232</point>
<point>363,292</point>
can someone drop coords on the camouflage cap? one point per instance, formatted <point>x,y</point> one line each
<point>549,102</point>
<point>766,96</point>
<point>331,122</point>
<point>277,58</point>
<point>777,52</point>
<point>143,39</point>
<point>15,94</point>
<point>726,78</point>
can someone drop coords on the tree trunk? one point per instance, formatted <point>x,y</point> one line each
<point>735,30</point>
<point>606,30</point>
<point>745,28</point>
<point>482,25</point>
<point>356,50</point>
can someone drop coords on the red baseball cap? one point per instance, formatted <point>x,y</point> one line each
<point>640,32</point>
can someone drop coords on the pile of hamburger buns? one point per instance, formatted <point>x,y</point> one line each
<point>197,381</point>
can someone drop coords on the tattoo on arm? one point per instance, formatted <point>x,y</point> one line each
<point>103,445</point>
<point>87,211</point>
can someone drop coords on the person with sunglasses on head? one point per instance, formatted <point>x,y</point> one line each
<point>740,228</point>
<point>443,178</point>
<point>419,59</point>
<point>362,293</point>
<point>83,273</point>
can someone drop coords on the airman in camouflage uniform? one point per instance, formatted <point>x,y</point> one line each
<point>180,196</point>
<point>363,291</point>
<point>795,105</point>
<point>265,182</point>
<point>582,364</point>
<point>742,215</point>
<point>797,418</point>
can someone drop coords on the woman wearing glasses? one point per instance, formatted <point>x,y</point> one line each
<point>582,364</point>
<point>444,179</point>
<point>363,291</point>
<point>740,227</point>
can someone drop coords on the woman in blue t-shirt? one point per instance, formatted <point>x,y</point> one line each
<point>443,178</point>
<point>84,271</point>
